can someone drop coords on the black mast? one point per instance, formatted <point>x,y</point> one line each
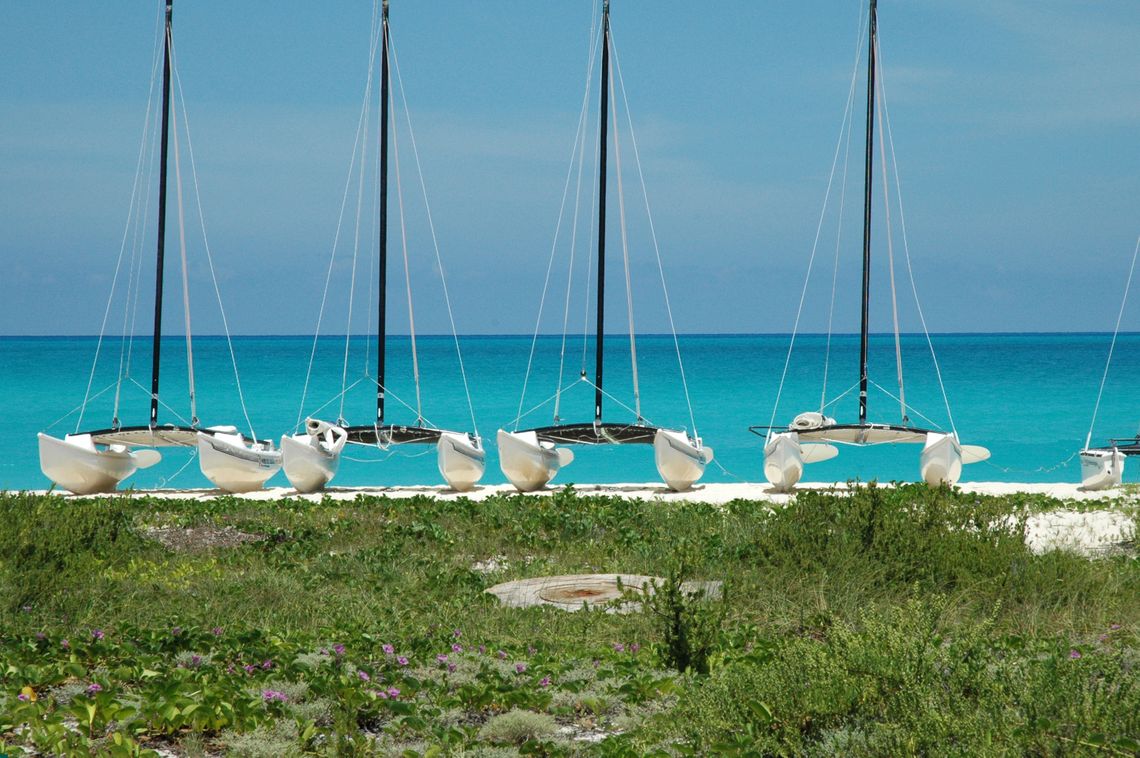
<point>863,330</point>
<point>602,211</point>
<point>160,255</point>
<point>381,330</point>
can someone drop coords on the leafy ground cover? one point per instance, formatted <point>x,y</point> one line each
<point>891,621</point>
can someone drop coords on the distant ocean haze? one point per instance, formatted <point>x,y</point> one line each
<point>1028,397</point>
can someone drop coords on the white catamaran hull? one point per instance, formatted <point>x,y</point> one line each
<point>77,465</point>
<point>461,460</point>
<point>680,460</point>
<point>527,463</point>
<point>1101,469</point>
<point>234,466</point>
<point>311,459</point>
<point>941,459</point>
<point>783,462</point>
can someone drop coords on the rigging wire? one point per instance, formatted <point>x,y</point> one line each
<point>581,141</point>
<point>818,230</point>
<point>182,253</point>
<point>891,252</point>
<point>625,251</point>
<point>435,244</point>
<point>906,245</point>
<point>122,251</point>
<point>206,246</point>
<point>652,234</point>
<point>1112,345</point>
<point>554,247</point>
<point>360,135</point>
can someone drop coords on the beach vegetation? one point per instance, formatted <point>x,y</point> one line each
<point>890,620</point>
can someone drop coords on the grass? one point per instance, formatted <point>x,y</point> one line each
<point>890,621</point>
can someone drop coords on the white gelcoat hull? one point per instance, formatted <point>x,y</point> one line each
<point>680,461</point>
<point>783,461</point>
<point>312,458</point>
<point>232,465</point>
<point>77,465</point>
<point>941,459</point>
<point>461,461</point>
<point>527,463</point>
<point>1101,469</point>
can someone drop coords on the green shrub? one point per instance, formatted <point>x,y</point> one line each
<point>516,727</point>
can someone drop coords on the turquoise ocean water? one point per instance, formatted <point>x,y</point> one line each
<point>1029,398</point>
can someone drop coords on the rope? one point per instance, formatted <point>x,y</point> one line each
<point>209,254</point>
<point>625,255</point>
<point>161,402</point>
<point>162,482</point>
<point>79,407</point>
<point>906,245</point>
<point>360,126</point>
<point>185,277</point>
<point>435,245</point>
<point>1112,345</point>
<point>905,407</point>
<point>891,266</point>
<point>554,246</point>
<point>815,243</point>
<point>407,271</point>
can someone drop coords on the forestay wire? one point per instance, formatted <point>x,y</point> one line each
<point>819,226</point>
<point>1112,345</point>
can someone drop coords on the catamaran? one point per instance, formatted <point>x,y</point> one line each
<point>809,437</point>
<point>1103,467</point>
<point>530,458</point>
<point>312,454</point>
<point>87,462</point>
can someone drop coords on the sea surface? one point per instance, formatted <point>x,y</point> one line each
<point>1028,397</point>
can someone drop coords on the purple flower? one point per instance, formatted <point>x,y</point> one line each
<point>274,696</point>
<point>502,655</point>
<point>544,682</point>
<point>442,657</point>
<point>1074,654</point>
<point>230,669</point>
<point>363,676</point>
<point>176,631</point>
<point>338,649</point>
<point>41,636</point>
<point>324,651</point>
<point>93,688</point>
<point>388,649</point>
<point>451,667</point>
<point>457,648</point>
<point>393,692</point>
<point>482,649</point>
<point>97,634</point>
<point>619,648</point>
<point>1103,638</point>
<point>1114,627</point>
<point>597,663</point>
<point>402,660</point>
<point>520,668</point>
<point>216,631</point>
<point>457,634</point>
<point>64,644</point>
<point>23,697</point>
<point>530,650</point>
<point>267,664</point>
<point>195,660</point>
<point>248,668</point>
<point>27,609</point>
<point>633,648</point>
<point>380,694</point>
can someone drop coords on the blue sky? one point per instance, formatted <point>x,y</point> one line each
<point>1015,123</point>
